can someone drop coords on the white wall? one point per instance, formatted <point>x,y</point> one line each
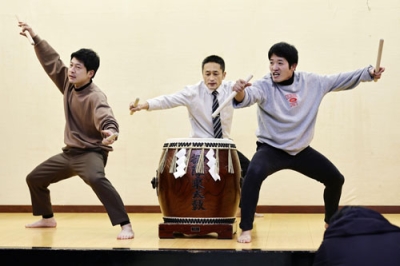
<point>153,47</point>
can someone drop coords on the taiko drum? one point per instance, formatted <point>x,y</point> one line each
<point>198,181</point>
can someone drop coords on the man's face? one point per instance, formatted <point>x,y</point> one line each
<point>78,74</point>
<point>280,70</point>
<point>213,75</point>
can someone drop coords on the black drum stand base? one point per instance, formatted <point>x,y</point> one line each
<point>223,230</point>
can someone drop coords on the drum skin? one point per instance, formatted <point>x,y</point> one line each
<point>197,194</point>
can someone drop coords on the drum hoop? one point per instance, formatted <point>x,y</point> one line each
<point>191,143</point>
<point>199,220</point>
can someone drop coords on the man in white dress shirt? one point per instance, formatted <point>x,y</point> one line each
<point>198,100</point>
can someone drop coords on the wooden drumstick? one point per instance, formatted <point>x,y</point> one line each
<point>227,100</point>
<point>378,59</point>
<point>135,104</point>
<point>28,35</point>
<point>112,137</point>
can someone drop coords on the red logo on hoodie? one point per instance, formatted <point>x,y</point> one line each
<point>292,99</point>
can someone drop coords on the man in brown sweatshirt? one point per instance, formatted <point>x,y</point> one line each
<point>89,130</point>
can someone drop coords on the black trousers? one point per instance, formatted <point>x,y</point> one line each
<point>268,160</point>
<point>244,164</point>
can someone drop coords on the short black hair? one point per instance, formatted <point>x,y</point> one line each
<point>89,58</point>
<point>214,59</point>
<point>285,50</point>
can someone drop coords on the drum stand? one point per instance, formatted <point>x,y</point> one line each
<point>223,230</point>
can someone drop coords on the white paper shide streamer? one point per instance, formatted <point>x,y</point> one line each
<point>213,165</point>
<point>180,163</point>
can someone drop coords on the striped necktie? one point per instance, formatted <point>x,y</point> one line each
<point>217,119</point>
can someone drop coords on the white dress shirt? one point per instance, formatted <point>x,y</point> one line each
<point>198,100</point>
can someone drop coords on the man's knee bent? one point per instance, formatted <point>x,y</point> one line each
<point>256,175</point>
<point>334,180</point>
<point>30,178</point>
<point>96,181</point>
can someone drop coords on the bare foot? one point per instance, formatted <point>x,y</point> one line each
<point>245,237</point>
<point>43,223</point>
<point>126,232</point>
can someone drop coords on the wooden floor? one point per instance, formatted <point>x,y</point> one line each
<point>275,232</point>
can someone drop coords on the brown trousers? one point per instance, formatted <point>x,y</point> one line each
<point>88,165</point>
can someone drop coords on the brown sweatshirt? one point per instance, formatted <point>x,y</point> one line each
<point>86,111</point>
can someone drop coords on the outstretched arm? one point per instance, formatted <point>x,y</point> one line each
<point>239,87</point>
<point>48,58</point>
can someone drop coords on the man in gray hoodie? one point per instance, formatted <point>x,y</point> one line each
<point>288,103</point>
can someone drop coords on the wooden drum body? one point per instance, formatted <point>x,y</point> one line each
<point>199,181</point>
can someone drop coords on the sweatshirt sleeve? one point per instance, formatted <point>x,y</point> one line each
<point>255,93</point>
<point>51,63</point>
<point>346,80</point>
<point>104,116</point>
